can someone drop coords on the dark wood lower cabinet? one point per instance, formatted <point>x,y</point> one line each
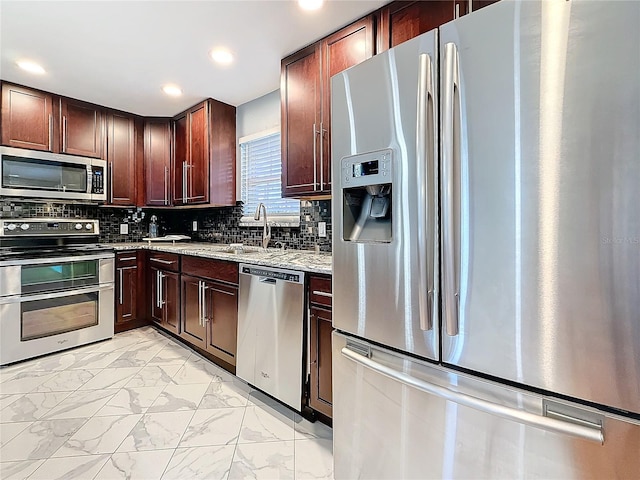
<point>193,328</point>
<point>221,306</point>
<point>320,392</point>
<point>165,299</point>
<point>130,291</point>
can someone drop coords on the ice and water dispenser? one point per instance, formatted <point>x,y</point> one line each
<point>366,195</point>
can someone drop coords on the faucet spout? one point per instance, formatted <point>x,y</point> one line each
<point>266,229</point>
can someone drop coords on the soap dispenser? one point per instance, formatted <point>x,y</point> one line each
<point>153,227</point>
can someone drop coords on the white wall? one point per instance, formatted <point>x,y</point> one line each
<point>255,116</point>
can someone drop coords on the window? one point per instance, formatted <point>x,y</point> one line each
<point>260,179</point>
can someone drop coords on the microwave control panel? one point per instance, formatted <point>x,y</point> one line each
<point>97,180</point>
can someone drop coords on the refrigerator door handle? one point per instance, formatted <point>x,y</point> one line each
<point>586,431</point>
<point>450,160</point>
<point>426,208</point>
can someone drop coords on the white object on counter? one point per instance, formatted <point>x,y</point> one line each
<point>167,238</point>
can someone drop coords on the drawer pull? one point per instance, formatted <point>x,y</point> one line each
<point>127,258</point>
<point>166,262</point>
<point>322,294</point>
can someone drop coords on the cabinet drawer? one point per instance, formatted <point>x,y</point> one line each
<point>164,261</point>
<point>320,290</point>
<point>127,258</point>
<point>212,269</point>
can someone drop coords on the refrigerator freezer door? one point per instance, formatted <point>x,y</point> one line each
<point>436,423</point>
<point>387,290</point>
<point>540,175</point>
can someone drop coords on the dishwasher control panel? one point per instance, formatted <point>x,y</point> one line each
<point>286,275</point>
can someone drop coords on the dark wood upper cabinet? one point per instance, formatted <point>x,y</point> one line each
<point>81,128</point>
<point>306,104</point>
<point>122,150</point>
<point>204,155</point>
<point>300,102</point>
<point>157,161</point>
<point>402,21</point>
<point>27,118</point>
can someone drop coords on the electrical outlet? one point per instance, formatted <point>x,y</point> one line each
<point>194,226</point>
<point>322,229</point>
<point>124,229</point>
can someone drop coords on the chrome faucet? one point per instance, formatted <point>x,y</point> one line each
<point>266,229</point>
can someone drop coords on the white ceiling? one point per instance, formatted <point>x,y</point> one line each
<point>120,53</point>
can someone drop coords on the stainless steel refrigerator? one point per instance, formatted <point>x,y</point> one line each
<point>486,248</point>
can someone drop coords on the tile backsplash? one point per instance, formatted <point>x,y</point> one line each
<point>216,225</point>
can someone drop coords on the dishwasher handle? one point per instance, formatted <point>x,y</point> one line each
<point>268,280</point>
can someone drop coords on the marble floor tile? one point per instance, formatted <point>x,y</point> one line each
<point>25,381</point>
<point>18,470</point>
<point>81,404</point>
<point>179,397</point>
<point>307,430</point>
<point>10,430</point>
<point>197,371</point>
<point>219,426</point>
<point>40,440</point>
<point>137,355</point>
<point>67,380</point>
<point>97,359</point>
<point>200,463</point>
<point>273,460</point>
<point>136,465</point>
<point>257,398</point>
<point>8,399</point>
<point>111,378</point>
<point>225,394</point>
<point>31,407</point>
<point>70,468</point>
<point>154,375</point>
<point>314,459</point>
<point>131,400</point>
<point>265,425</point>
<point>157,431</point>
<point>171,354</point>
<point>99,435</point>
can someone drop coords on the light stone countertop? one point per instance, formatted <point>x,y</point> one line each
<point>290,259</point>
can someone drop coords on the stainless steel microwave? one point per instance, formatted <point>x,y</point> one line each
<point>46,175</point>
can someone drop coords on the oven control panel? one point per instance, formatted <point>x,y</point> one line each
<point>42,227</point>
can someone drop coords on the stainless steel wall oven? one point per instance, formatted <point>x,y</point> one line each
<point>56,287</point>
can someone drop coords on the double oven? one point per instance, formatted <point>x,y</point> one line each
<point>56,287</point>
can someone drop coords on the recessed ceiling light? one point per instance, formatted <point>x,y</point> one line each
<point>222,56</point>
<point>172,90</point>
<point>30,67</point>
<point>310,4</point>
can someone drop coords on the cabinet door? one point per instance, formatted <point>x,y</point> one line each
<point>341,50</point>
<point>121,156</point>
<point>300,91</point>
<point>222,146</point>
<point>192,323</point>
<point>198,164</point>
<point>171,301</point>
<point>320,356</point>
<point>126,281</point>
<point>27,118</point>
<point>81,128</point>
<point>156,308</point>
<point>157,157</point>
<point>222,320</point>
<point>402,21</point>
<point>180,158</point>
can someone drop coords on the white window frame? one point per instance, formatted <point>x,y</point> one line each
<point>247,220</point>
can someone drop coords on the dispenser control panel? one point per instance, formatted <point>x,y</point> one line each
<point>367,169</point>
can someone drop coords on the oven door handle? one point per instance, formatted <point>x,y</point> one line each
<point>42,261</point>
<point>63,293</point>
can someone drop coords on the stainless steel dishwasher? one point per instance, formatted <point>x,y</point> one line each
<point>270,331</point>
